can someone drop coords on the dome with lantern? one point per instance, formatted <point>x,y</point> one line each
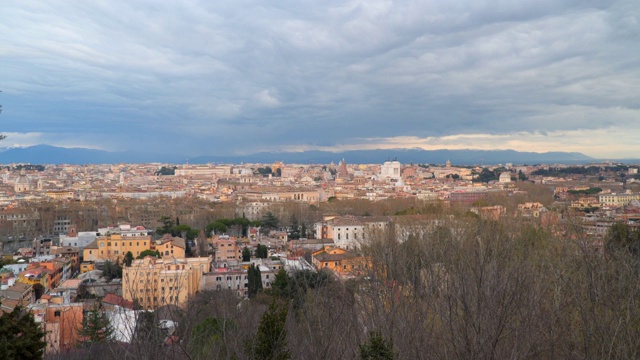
<point>22,183</point>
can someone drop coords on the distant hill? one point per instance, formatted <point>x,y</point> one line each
<point>45,154</point>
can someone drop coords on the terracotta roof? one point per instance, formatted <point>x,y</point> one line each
<point>323,256</point>
<point>177,241</point>
<point>113,299</point>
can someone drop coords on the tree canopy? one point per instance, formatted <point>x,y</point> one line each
<point>20,337</point>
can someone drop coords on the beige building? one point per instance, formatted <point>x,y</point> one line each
<point>155,282</point>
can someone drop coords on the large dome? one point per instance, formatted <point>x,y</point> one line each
<point>23,180</point>
<point>22,183</point>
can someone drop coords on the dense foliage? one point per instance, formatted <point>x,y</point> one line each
<point>20,337</point>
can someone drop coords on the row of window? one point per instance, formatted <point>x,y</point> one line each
<point>144,243</point>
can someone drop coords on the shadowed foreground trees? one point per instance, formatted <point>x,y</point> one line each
<point>20,336</point>
<point>456,288</point>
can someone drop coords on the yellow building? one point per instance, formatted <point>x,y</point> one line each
<point>340,261</point>
<point>36,277</point>
<point>169,246</point>
<point>115,246</point>
<point>156,282</point>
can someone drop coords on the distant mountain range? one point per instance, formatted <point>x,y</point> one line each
<point>45,154</point>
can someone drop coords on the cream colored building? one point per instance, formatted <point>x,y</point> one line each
<point>155,282</point>
<point>617,199</point>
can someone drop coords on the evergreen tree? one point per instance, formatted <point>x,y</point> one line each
<point>246,254</point>
<point>128,258</point>
<point>167,226</point>
<point>254,279</point>
<point>303,231</point>
<point>20,337</point>
<point>294,229</point>
<point>622,238</point>
<point>270,342</point>
<point>149,252</point>
<point>208,338</point>
<point>112,270</point>
<point>262,252</point>
<point>269,221</point>
<point>217,226</point>
<point>280,286</point>
<point>108,270</point>
<point>376,348</point>
<point>96,327</point>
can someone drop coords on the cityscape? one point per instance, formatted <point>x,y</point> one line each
<point>130,239</point>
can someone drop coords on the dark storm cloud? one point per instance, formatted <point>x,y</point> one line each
<point>244,76</point>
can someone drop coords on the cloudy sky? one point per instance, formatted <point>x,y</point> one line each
<point>236,77</point>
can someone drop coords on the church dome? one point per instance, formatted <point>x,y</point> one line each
<point>22,183</point>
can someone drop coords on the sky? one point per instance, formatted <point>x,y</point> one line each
<point>239,77</point>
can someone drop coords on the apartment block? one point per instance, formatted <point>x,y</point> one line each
<point>155,282</point>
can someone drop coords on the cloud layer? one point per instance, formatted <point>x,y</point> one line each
<point>237,77</point>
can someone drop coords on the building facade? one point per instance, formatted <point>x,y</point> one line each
<point>155,282</point>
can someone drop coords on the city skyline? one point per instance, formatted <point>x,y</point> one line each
<point>242,78</point>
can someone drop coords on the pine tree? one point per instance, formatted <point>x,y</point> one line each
<point>303,231</point>
<point>246,254</point>
<point>20,336</point>
<point>96,327</point>
<point>128,258</point>
<point>254,279</point>
<point>294,229</point>
<point>262,251</point>
<point>270,342</point>
<point>376,348</point>
<point>269,221</point>
<point>280,286</point>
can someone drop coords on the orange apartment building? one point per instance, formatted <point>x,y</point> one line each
<point>227,248</point>
<point>61,326</point>
<point>60,321</point>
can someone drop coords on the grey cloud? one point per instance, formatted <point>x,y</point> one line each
<point>236,75</point>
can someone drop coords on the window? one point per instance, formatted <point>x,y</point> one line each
<point>56,313</point>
